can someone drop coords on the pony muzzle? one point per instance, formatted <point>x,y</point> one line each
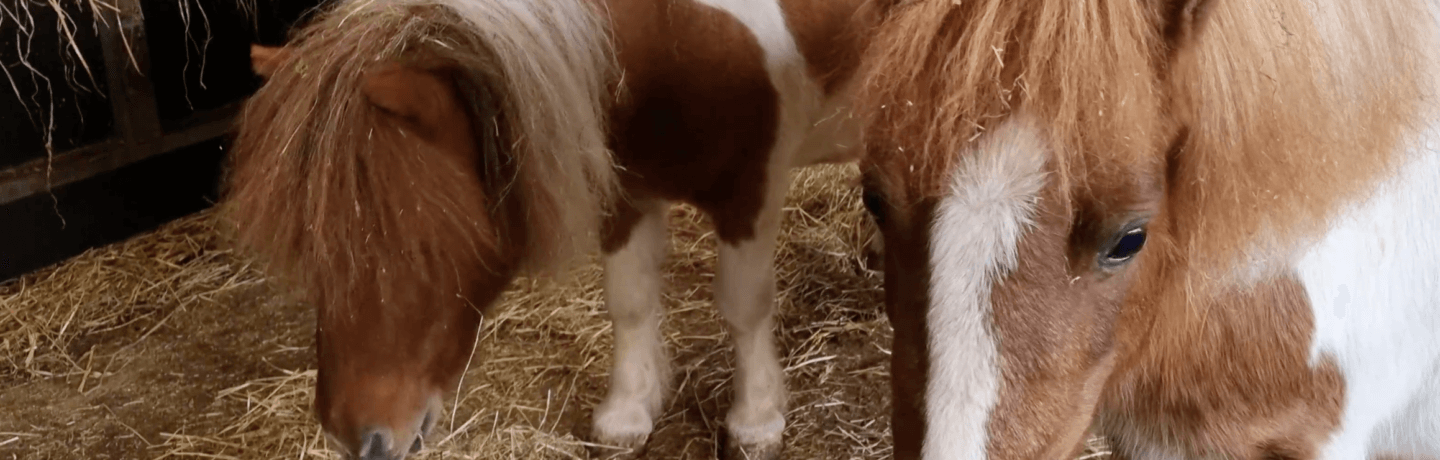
<point>380,441</point>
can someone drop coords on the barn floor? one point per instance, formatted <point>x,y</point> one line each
<point>170,346</point>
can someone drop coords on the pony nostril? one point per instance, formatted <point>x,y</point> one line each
<point>375,446</point>
<point>417,445</point>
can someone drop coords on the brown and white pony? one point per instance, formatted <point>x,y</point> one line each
<point>407,158</point>
<point>1201,228</point>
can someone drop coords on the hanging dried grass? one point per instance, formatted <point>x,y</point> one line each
<point>25,17</point>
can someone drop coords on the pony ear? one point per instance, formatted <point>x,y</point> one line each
<point>1184,20</point>
<point>265,59</point>
<point>418,98</point>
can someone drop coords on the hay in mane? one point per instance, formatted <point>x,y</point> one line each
<point>1284,110</point>
<point>939,73</point>
<point>324,196</point>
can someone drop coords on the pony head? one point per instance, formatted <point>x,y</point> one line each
<point>401,165</point>
<point>1060,183</point>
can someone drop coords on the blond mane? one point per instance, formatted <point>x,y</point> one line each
<point>1296,110</point>
<point>941,72</point>
<point>316,194</point>
<point>1289,109</point>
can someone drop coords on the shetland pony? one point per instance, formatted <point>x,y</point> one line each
<point>1200,228</point>
<point>407,159</point>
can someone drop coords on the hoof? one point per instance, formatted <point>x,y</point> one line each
<point>728,449</point>
<point>611,446</point>
<point>600,450</point>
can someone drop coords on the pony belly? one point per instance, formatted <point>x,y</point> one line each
<point>1374,287</point>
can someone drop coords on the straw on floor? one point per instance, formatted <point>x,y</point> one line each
<point>540,361</point>
<point>171,346</point>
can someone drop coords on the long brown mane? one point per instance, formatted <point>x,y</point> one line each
<point>325,197</point>
<point>1284,110</point>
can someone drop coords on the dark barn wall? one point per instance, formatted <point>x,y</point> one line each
<point>176,74</point>
<point>81,112</point>
<point>199,63</point>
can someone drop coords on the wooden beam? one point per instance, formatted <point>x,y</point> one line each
<point>138,130</point>
<point>132,97</point>
<point>38,176</point>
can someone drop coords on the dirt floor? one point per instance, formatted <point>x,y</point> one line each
<point>171,346</point>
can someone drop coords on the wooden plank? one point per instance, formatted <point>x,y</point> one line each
<point>132,97</point>
<point>76,165</point>
<point>139,133</point>
<point>72,108</point>
<point>112,206</point>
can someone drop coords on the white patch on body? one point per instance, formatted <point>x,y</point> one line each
<point>745,274</point>
<point>974,240</point>
<point>812,129</point>
<point>745,296</point>
<point>1414,431</point>
<point>1374,287</point>
<point>640,374</point>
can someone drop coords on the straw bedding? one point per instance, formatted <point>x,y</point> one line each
<point>171,346</point>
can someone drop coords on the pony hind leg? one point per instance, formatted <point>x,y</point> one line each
<point>640,374</point>
<point>745,295</point>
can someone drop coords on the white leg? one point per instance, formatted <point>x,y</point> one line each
<point>640,375</point>
<point>745,295</point>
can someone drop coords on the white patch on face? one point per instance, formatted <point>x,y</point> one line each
<point>976,233</point>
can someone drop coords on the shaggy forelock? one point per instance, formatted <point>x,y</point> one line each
<point>1287,108</point>
<point>324,197</point>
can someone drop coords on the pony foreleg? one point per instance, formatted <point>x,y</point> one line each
<point>640,374</point>
<point>745,295</point>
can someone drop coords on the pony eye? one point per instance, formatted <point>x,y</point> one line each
<point>875,205</point>
<point>1124,248</point>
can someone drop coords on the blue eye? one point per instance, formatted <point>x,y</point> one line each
<point>1125,247</point>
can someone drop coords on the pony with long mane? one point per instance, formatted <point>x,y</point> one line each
<point>1200,228</point>
<point>406,159</point>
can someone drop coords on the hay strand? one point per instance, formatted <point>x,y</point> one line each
<point>539,366</point>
